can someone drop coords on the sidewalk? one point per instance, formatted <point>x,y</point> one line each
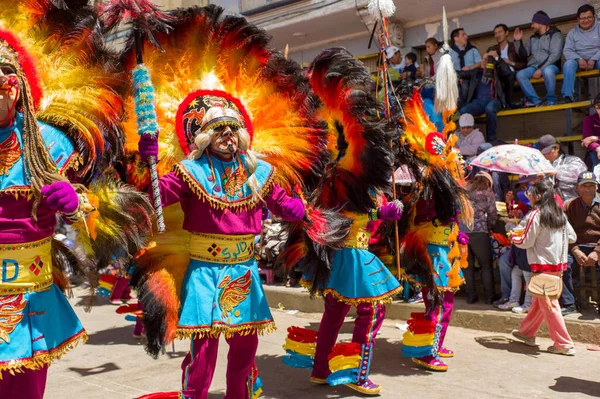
<point>113,365</point>
<point>582,327</point>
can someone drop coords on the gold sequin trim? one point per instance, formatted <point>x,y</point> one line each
<point>236,205</point>
<point>261,327</point>
<point>39,360</point>
<point>381,299</point>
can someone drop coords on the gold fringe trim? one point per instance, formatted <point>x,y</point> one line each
<point>381,299</point>
<point>199,190</point>
<point>214,332</point>
<point>23,191</point>
<point>36,362</point>
<point>73,162</point>
<point>418,284</point>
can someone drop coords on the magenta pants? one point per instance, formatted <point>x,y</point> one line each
<point>121,289</point>
<point>368,322</point>
<point>199,365</point>
<point>445,309</point>
<point>139,325</point>
<point>30,384</point>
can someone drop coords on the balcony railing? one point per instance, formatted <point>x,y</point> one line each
<point>252,7</point>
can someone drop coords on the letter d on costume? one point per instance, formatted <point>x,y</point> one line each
<point>5,268</point>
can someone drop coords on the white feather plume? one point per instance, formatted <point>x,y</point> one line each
<point>383,8</point>
<point>446,79</point>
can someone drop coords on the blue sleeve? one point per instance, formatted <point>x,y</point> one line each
<point>455,59</point>
<point>476,56</point>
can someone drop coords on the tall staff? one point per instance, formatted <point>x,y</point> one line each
<point>145,18</point>
<point>381,10</point>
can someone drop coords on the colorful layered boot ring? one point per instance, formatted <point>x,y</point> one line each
<point>431,363</point>
<point>367,387</point>
<point>318,381</point>
<point>185,394</point>
<point>447,353</point>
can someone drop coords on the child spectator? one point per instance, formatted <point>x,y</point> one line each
<point>410,71</point>
<point>545,233</point>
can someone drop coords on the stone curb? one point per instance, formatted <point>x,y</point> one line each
<point>582,327</point>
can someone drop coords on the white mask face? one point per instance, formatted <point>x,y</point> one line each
<point>8,96</point>
<point>225,140</point>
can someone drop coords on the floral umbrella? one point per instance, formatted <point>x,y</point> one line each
<point>514,159</point>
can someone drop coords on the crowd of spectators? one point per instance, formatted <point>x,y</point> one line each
<point>486,86</point>
<point>487,82</point>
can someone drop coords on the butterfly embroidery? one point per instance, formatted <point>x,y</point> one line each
<point>11,314</point>
<point>234,180</point>
<point>233,292</point>
<point>10,153</point>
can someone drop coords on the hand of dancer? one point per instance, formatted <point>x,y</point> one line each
<point>61,197</point>
<point>391,211</point>
<point>293,210</point>
<point>463,238</point>
<point>148,147</point>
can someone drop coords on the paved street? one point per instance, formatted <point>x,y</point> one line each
<point>488,365</point>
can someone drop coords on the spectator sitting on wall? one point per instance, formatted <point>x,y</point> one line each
<point>583,212</point>
<point>394,59</point>
<point>591,135</point>
<point>467,62</point>
<point>484,102</point>
<point>432,58</point>
<point>397,63</point>
<point>568,167</point>
<point>469,138</point>
<point>544,51</point>
<point>582,49</point>
<point>427,71</point>
<point>505,60</point>
<point>410,70</point>
<point>464,55</point>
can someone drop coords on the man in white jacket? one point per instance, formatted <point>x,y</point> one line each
<point>469,138</point>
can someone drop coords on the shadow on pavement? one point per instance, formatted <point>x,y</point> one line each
<point>572,385</point>
<point>87,371</point>
<point>98,300</point>
<point>500,342</point>
<point>279,380</point>
<point>387,358</point>
<point>114,336</point>
<point>176,355</point>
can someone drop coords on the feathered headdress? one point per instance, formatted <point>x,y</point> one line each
<point>432,160</point>
<point>210,51</point>
<point>68,70</point>
<point>360,159</point>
